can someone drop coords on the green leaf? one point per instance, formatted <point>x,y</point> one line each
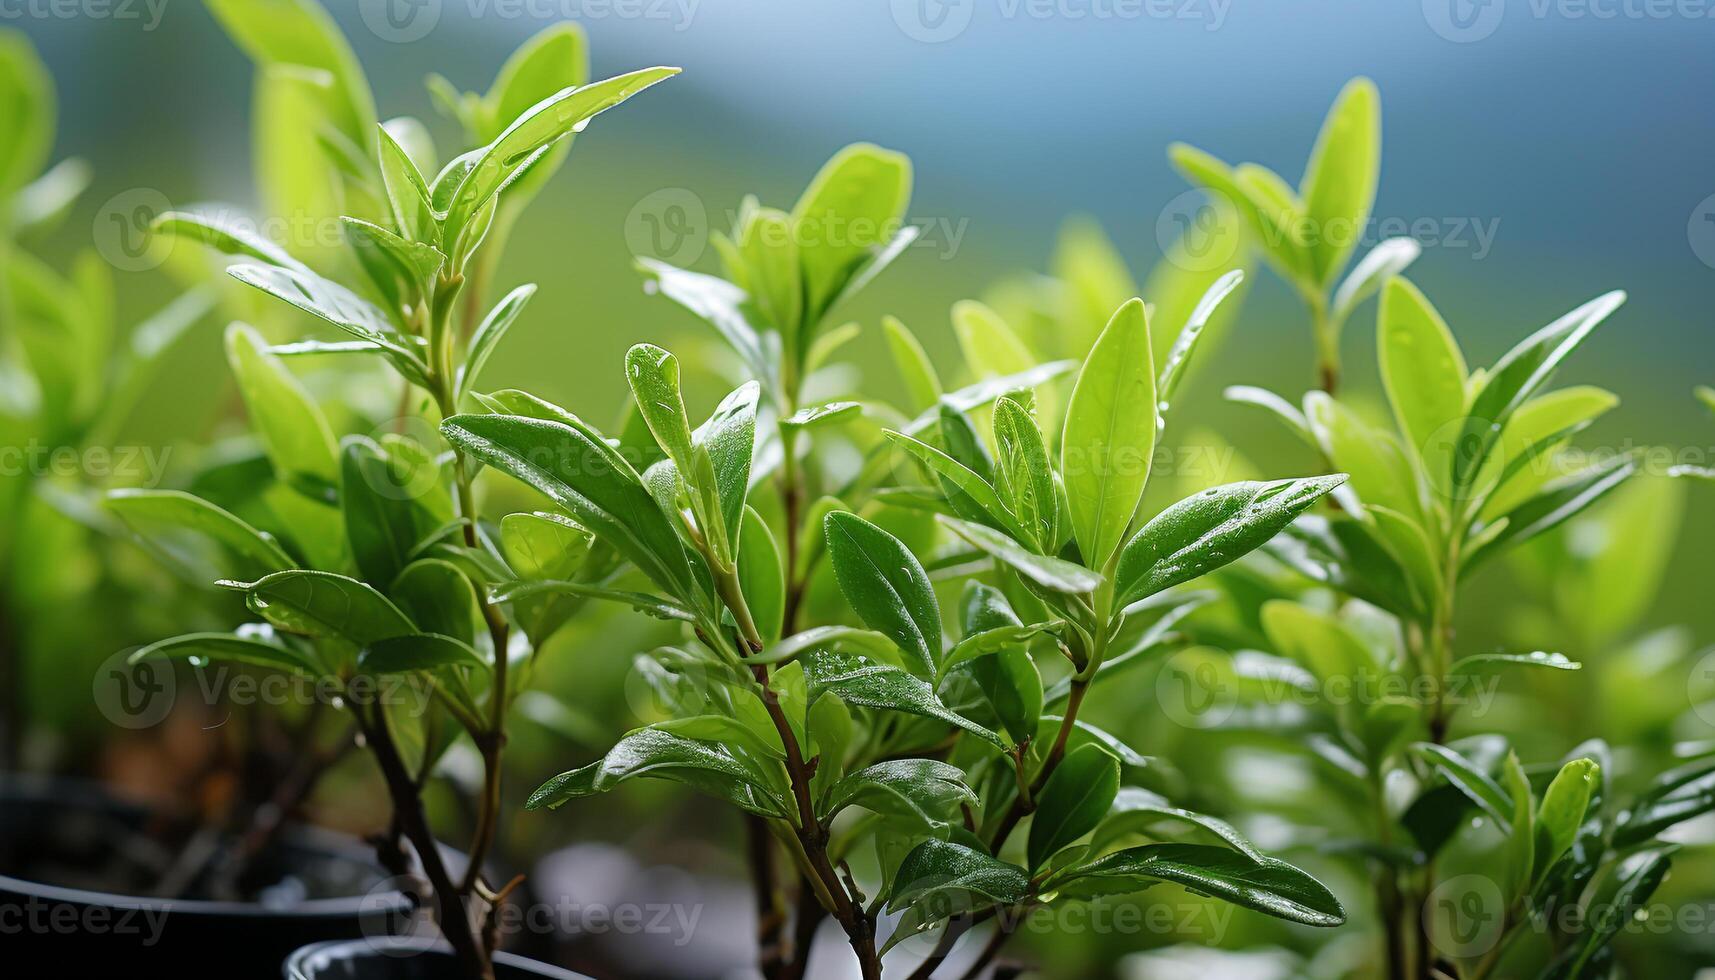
<point>1204,532</point>
<point>414,261</point>
<point>653,374</point>
<point>579,471</point>
<point>760,576</point>
<point>1561,812</point>
<point>438,597</point>
<point>1380,472</point>
<point>936,868</point>
<point>423,651</point>
<point>1673,798</point>
<point>382,522</point>
<point>1054,574</point>
<point>1559,501</point>
<point>1110,435</point>
<point>1009,682</point>
<point>1268,886</point>
<point>886,586</point>
<point>857,680</point>
<point>641,601</point>
<point>1073,801</point>
<point>922,382</point>
<point>1024,474</point>
<point>1386,260</point>
<point>721,305</point>
<point>729,439</point>
<point>1275,405</point>
<point>972,496</point>
<point>922,791</point>
<point>853,207</point>
<point>542,545</point>
<point>989,345</point>
<point>1521,841</point>
<point>983,643</point>
<point>1179,356</point>
<point>180,526</point>
<point>218,231</point>
<point>293,431</point>
<point>1424,373</point>
<point>1320,642</point>
<point>1519,375</point>
<point>27,122</point>
<point>1139,811</point>
<point>826,638</point>
<point>1491,661</point>
<point>407,193</point>
<point>1260,213</point>
<point>769,245</point>
<point>1340,179</point>
<point>1537,429</point>
<point>1476,784</point>
<point>337,305</point>
<point>298,35</point>
<point>818,415</point>
<point>237,648</point>
<point>536,128</point>
<point>708,767</point>
<point>325,604</point>
<point>552,59</point>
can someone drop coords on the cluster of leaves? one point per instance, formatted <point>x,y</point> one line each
<point>365,559</point>
<point>68,375</point>
<point>945,745</point>
<point>1309,235</point>
<point>1467,468</point>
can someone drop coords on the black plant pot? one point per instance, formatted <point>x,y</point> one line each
<point>310,886</point>
<point>405,959</point>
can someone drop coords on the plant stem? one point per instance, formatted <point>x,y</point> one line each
<point>1390,904</point>
<point>474,957</point>
<point>1327,336</point>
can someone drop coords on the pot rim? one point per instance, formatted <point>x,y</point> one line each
<point>82,792</point>
<point>404,945</point>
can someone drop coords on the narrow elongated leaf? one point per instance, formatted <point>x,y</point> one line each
<point>1073,801</point>
<point>1110,434</point>
<point>382,523</point>
<point>721,305</point>
<point>581,472</point>
<point>1471,780</point>
<point>1560,501</point>
<point>760,575</point>
<point>643,602</point>
<point>729,437</point>
<point>1204,532</point>
<point>294,432</point>
<point>1673,798</point>
<point>1024,474</point>
<point>325,604</point>
<point>1139,811</point>
<point>1340,179</point>
<point>937,867</point>
<point>922,382</point>
<point>1561,812</point>
<point>1387,259</point>
<point>886,586</point>
<point>1011,685</point>
<point>232,647</point>
<point>852,208</point>
<point>972,496</point>
<point>219,231</point>
<point>650,752</point>
<point>536,128</point>
<point>1268,886</point>
<point>654,378</point>
<point>924,791</point>
<point>1054,574</point>
<point>1179,357</point>
<point>423,651</point>
<point>163,519</point>
<point>989,345</point>
<point>1496,661</point>
<point>1519,375</point>
<point>863,682</point>
<point>1424,373</point>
